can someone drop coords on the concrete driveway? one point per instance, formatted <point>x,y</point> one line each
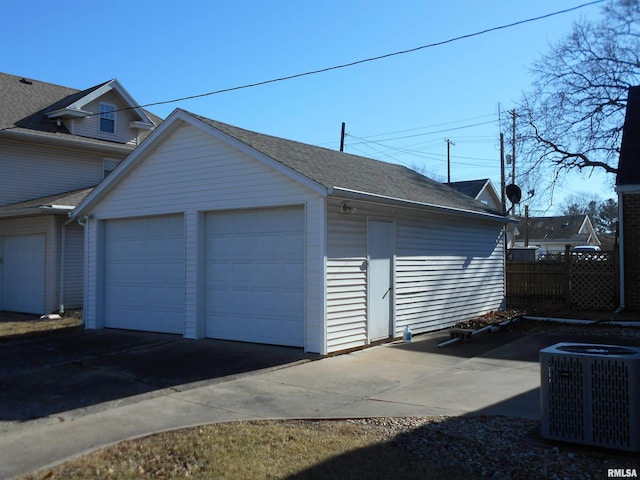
<point>67,394</point>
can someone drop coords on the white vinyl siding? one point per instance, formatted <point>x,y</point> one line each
<point>346,279</point>
<point>447,269</point>
<point>31,171</point>
<point>90,126</point>
<point>73,265</point>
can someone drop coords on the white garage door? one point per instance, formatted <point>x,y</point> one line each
<point>22,258</point>
<point>255,276</point>
<point>144,274</point>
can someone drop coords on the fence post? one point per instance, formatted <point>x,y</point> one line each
<point>567,275</point>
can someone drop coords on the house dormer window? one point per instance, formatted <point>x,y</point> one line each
<point>107,118</point>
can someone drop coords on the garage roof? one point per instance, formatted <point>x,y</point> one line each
<point>337,173</point>
<point>343,171</point>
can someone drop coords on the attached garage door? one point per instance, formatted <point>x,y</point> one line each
<point>23,272</point>
<point>255,276</point>
<point>144,274</point>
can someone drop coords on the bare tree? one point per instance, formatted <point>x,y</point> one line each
<point>572,118</point>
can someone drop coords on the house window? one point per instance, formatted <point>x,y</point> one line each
<point>107,118</point>
<point>108,166</point>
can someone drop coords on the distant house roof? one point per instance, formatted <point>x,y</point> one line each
<point>61,203</point>
<point>629,164</point>
<point>30,106</point>
<point>572,229</point>
<point>470,187</point>
<point>331,171</point>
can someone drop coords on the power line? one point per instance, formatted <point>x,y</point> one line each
<point>379,57</point>
<point>357,62</point>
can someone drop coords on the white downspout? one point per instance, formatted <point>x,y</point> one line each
<point>63,241</point>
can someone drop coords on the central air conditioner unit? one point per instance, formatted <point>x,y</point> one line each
<point>590,394</point>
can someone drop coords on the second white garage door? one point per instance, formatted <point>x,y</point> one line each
<point>144,274</point>
<point>255,275</point>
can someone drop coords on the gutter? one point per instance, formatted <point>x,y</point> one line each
<point>383,199</point>
<point>36,137</point>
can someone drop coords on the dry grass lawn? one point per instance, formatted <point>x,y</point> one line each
<point>253,450</point>
<point>18,324</point>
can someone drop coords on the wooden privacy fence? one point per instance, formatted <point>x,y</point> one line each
<point>582,280</point>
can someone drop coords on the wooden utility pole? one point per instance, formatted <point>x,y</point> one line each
<point>342,137</point>
<point>449,143</point>
<point>513,145</point>
<point>502,179</point>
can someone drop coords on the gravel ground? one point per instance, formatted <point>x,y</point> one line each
<point>490,447</point>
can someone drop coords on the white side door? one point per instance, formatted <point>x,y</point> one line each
<point>380,279</point>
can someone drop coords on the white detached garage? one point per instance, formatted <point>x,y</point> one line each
<point>209,230</point>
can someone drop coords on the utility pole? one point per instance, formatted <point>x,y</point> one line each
<point>449,143</point>
<point>342,137</point>
<point>502,179</point>
<point>513,145</point>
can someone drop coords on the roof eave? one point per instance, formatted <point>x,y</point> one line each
<point>372,197</point>
<point>63,141</point>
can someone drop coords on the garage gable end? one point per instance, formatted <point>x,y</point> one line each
<point>185,162</point>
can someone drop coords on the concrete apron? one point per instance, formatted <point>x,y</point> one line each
<point>494,374</point>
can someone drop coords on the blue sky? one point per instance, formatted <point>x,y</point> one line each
<point>398,109</point>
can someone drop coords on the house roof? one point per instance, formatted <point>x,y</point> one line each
<point>59,203</point>
<point>565,228</point>
<point>344,172</point>
<point>629,163</point>
<point>328,171</point>
<point>471,188</point>
<point>27,106</point>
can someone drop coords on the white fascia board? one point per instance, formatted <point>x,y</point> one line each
<point>68,113</point>
<point>64,140</point>
<point>256,154</point>
<point>382,199</point>
<point>148,145</point>
<point>106,88</point>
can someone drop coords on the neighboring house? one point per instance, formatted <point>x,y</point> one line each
<point>55,144</point>
<point>209,230</point>
<point>482,190</point>
<point>628,188</point>
<point>552,234</point>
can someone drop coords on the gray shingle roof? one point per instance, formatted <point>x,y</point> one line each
<point>629,164</point>
<point>563,227</point>
<point>68,199</point>
<point>334,169</point>
<point>469,187</point>
<point>25,102</point>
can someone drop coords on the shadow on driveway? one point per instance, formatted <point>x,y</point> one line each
<point>47,375</point>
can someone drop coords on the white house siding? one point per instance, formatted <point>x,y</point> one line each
<point>447,269</point>
<point>346,276</point>
<point>40,225</point>
<point>191,172</point>
<point>89,126</point>
<point>32,171</point>
<point>72,264</point>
